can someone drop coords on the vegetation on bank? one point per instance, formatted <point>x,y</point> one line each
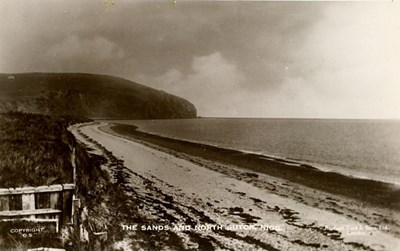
<point>35,150</point>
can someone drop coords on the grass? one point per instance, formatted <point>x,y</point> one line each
<point>34,150</point>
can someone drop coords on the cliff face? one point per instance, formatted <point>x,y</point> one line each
<point>89,95</point>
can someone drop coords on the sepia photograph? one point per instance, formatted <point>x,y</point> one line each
<point>199,125</point>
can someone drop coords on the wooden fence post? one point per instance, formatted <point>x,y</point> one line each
<point>28,203</point>
<point>4,203</point>
<point>67,207</point>
<point>76,222</point>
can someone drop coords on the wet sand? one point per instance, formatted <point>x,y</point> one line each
<point>185,188</point>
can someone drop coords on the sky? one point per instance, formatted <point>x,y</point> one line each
<point>229,58</point>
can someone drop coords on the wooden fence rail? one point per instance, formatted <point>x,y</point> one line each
<point>37,203</point>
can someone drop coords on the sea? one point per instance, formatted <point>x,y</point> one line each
<point>368,149</point>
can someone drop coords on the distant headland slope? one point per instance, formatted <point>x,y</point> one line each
<point>89,95</point>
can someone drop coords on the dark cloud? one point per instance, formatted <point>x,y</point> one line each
<point>157,34</point>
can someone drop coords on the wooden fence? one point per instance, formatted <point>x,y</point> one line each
<point>38,204</point>
<point>46,249</point>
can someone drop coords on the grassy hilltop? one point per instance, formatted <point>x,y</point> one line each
<point>89,95</point>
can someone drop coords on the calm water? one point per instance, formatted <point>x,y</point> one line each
<point>362,148</point>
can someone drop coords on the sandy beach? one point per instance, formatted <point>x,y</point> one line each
<point>212,205</point>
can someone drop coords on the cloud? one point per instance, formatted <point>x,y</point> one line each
<point>156,35</point>
<point>348,65</point>
<point>84,51</point>
<point>212,84</point>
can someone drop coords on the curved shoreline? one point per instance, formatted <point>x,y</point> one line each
<point>372,192</point>
<point>286,160</point>
<point>361,156</point>
<point>281,159</point>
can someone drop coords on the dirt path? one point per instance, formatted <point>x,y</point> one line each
<point>226,210</point>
